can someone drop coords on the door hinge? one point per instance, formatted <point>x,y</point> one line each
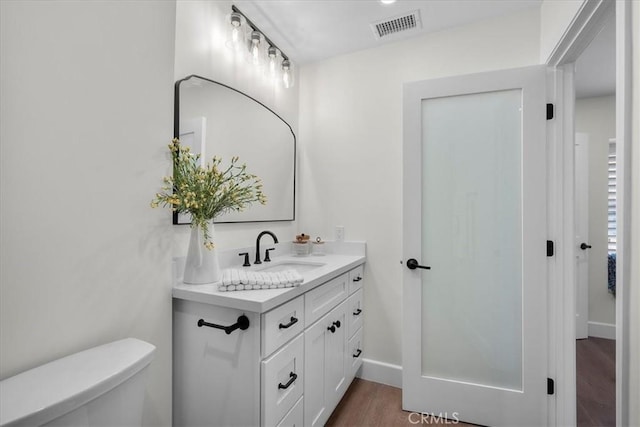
<point>549,111</point>
<point>549,247</point>
<point>550,386</point>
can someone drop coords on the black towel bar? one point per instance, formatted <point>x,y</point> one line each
<point>242,323</point>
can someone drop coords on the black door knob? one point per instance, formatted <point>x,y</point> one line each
<point>584,246</point>
<point>412,264</point>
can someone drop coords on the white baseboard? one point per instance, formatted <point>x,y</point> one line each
<point>381,372</point>
<point>602,330</point>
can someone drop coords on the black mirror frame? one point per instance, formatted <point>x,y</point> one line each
<point>176,134</point>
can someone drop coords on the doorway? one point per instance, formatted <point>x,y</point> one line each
<point>595,221</point>
<point>586,24</point>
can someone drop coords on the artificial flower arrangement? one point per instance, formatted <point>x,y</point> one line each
<point>207,191</point>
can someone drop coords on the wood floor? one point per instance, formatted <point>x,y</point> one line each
<point>374,405</point>
<point>596,382</point>
<point>377,405</point>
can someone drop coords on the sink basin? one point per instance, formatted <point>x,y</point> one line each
<point>299,266</point>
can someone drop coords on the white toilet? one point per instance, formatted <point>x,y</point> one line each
<point>102,386</point>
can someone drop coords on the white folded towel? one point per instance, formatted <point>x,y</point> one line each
<point>236,280</point>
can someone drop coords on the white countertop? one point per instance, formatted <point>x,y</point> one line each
<point>264,300</point>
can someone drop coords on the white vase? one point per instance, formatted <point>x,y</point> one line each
<point>202,264</point>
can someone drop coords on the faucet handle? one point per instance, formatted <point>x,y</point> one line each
<point>246,259</point>
<point>266,255</point>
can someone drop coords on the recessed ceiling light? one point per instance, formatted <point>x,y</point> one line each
<point>387,1</point>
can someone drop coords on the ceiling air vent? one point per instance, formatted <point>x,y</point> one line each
<point>408,22</point>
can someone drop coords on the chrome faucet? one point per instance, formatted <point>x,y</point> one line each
<point>275,240</point>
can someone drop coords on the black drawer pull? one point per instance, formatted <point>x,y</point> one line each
<point>357,279</point>
<point>357,312</point>
<point>358,353</point>
<point>290,324</point>
<point>292,378</point>
<point>337,323</point>
<point>332,328</point>
<point>242,323</point>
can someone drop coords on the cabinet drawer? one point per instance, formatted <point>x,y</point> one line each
<point>356,279</point>
<point>295,417</point>
<point>282,324</point>
<point>282,381</point>
<point>354,312</point>
<point>355,354</point>
<point>320,300</point>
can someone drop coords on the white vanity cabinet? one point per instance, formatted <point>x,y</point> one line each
<point>290,367</point>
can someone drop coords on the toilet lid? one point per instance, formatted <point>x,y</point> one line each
<point>52,390</point>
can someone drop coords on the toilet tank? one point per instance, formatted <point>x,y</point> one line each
<point>102,386</point>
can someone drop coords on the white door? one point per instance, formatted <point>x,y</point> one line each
<point>581,172</point>
<point>474,211</point>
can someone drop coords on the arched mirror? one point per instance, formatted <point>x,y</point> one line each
<point>216,119</point>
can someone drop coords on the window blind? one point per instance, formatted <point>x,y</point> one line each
<point>611,198</point>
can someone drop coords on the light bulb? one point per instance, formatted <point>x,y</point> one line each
<point>274,60</point>
<point>287,74</point>
<point>236,33</point>
<point>256,48</point>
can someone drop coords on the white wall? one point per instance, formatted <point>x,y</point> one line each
<point>200,49</point>
<point>555,18</point>
<point>597,118</point>
<point>351,146</point>
<point>86,111</point>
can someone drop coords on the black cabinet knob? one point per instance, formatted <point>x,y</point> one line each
<point>584,246</point>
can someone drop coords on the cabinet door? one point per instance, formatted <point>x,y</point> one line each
<point>336,354</point>
<point>316,412</point>
<point>326,365</point>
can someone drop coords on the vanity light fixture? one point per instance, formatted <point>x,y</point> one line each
<point>387,1</point>
<point>258,48</point>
